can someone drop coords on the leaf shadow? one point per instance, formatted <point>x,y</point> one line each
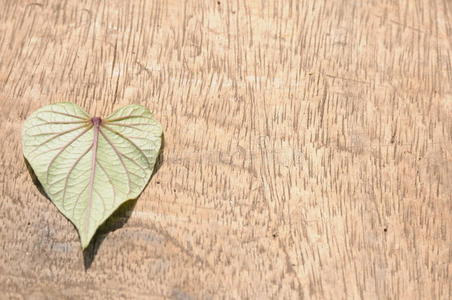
<point>160,158</point>
<point>116,221</point>
<point>35,180</point>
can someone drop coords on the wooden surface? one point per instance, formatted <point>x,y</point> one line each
<point>308,148</point>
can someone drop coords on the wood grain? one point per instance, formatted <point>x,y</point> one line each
<point>308,148</point>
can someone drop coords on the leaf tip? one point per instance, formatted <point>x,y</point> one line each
<point>85,243</point>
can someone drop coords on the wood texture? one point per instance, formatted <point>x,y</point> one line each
<point>308,148</point>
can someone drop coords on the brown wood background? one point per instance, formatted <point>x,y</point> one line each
<point>307,155</point>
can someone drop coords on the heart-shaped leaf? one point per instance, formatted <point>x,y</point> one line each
<point>90,166</point>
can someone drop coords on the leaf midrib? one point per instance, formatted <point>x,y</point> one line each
<point>93,174</point>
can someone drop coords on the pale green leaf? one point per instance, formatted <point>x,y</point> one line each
<point>89,166</point>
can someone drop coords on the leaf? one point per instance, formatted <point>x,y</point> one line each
<point>90,166</point>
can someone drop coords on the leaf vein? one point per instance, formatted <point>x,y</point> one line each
<point>72,169</point>
<point>63,114</point>
<point>110,180</point>
<point>65,147</point>
<point>127,117</point>
<point>55,136</point>
<point>128,140</point>
<point>120,158</point>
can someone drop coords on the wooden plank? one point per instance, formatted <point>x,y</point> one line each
<point>307,148</point>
